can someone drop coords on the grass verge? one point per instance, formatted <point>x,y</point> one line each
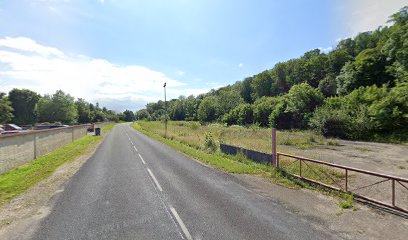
<point>19,179</point>
<point>232,164</point>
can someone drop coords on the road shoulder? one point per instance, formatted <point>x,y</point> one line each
<point>362,223</point>
<point>20,217</point>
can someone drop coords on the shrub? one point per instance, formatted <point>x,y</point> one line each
<point>295,108</point>
<point>209,142</point>
<point>347,202</point>
<point>194,126</point>
<point>242,115</point>
<point>263,108</point>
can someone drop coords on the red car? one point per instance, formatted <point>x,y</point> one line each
<point>12,127</point>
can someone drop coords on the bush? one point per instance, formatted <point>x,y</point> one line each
<point>295,108</point>
<point>242,115</point>
<point>364,113</point>
<point>209,142</point>
<point>208,109</point>
<point>263,108</point>
<point>194,126</point>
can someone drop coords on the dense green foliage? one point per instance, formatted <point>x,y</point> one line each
<point>357,91</point>
<point>24,103</point>
<point>5,108</point>
<point>25,107</point>
<point>57,107</point>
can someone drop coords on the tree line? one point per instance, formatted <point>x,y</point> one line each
<point>26,107</point>
<point>359,90</point>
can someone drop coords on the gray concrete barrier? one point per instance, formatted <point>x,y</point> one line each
<point>250,154</point>
<point>17,149</point>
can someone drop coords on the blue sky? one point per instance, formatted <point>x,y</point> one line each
<point>120,52</point>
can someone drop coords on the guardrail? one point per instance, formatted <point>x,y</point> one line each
<point>335,176</point>
<point>345,186</point>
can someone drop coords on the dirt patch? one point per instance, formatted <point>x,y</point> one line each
<point>20,217</point>
<point>362,223</point>
<point>378,157</point>
<point>384,158</point>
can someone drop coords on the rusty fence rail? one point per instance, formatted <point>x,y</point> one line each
<point>343,182</point>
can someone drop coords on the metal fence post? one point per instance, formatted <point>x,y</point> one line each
<point>300,167</point>
<point>35,145</point>
<point>274,147</point>
<point>346,180</point>
<point>393,192</point>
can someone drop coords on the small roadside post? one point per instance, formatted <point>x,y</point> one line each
<point>165,111</point>
<point>274,157</point>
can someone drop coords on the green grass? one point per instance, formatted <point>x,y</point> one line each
<point>348,201</point>
<point>238,163</point>
<point>18,180</point>
<point>232,164</point>
<point>107,128</point>
<point>252,137</point>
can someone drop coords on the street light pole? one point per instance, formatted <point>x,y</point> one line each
<point>165,111</point>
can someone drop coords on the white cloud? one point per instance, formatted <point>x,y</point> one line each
<point>28,45</point>
<point>27,64</point>
<point>240,65</point>
<point>326,50</point>
<point>181,73</point>
<point>367,15</point>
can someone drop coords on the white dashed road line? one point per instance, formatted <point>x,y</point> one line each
<point>143,161</point>
<point>155,180</point>
<point>172,209</point>
<point>181,223</point>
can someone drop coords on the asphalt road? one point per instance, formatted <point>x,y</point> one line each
<point>134,187</point>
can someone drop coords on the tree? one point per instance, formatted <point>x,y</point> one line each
<point>369,68</point>
<point>129,116</point>
<point>227,100</point>
<point>98,116</point>
<point>84,112</point>
<point>400,17</point>
<point>279,84</point>
<point>336,60</point>
<point>191,106</point>
<point>263,107</point>
<point>246,90</point>
<point>142,114</point>
<point>296,107</point>
<point>59,107</point>
<point>242,115</point>
<point>178,109</point>
<point>5,108</point>
<point>24,103</point>
<point>316,69</point>
<point>208,110</point>
<point>328,86</point>
<point>262,84</point>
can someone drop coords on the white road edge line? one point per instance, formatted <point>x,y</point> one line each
<point>135,147</point>
<point>181,223</point>
<point>142,159</point>
<point>155,180</point>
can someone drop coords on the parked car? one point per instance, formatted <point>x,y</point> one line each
<point>43,127</point>
<point>1,130</point>
<point>91,127</point>
<point>12,127</point>
<point>11,132</point>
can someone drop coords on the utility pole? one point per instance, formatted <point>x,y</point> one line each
<point>165,111</point>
